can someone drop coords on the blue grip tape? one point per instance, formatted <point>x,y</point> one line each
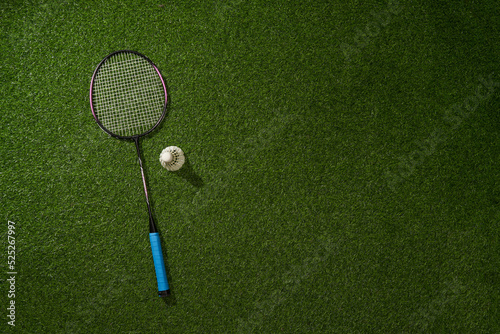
<point>161,273</point>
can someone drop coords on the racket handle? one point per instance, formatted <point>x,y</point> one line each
<point>161,273</point>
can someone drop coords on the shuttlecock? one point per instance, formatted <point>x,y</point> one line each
<point>172,158</point>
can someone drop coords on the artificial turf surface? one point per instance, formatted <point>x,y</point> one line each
<point>342,171</point>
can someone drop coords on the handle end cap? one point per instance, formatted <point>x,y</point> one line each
<point>165,293</point>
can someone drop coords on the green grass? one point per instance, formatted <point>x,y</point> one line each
<point>328,189</point>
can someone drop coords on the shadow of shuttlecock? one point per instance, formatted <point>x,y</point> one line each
<point>188,173</point>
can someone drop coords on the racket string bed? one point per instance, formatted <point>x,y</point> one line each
<point>128,95</point>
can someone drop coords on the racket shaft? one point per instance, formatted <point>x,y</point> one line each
<point>161,273</point>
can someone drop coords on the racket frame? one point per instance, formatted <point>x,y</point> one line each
<point>161,276</point>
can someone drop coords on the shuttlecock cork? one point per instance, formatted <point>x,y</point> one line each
<point>172,158</point>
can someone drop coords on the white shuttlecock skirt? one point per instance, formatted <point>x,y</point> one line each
<point>172,158</point>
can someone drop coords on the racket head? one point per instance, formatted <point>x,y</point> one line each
<point>128,95</point>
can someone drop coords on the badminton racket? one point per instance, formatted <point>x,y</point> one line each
<point>128,99</point>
